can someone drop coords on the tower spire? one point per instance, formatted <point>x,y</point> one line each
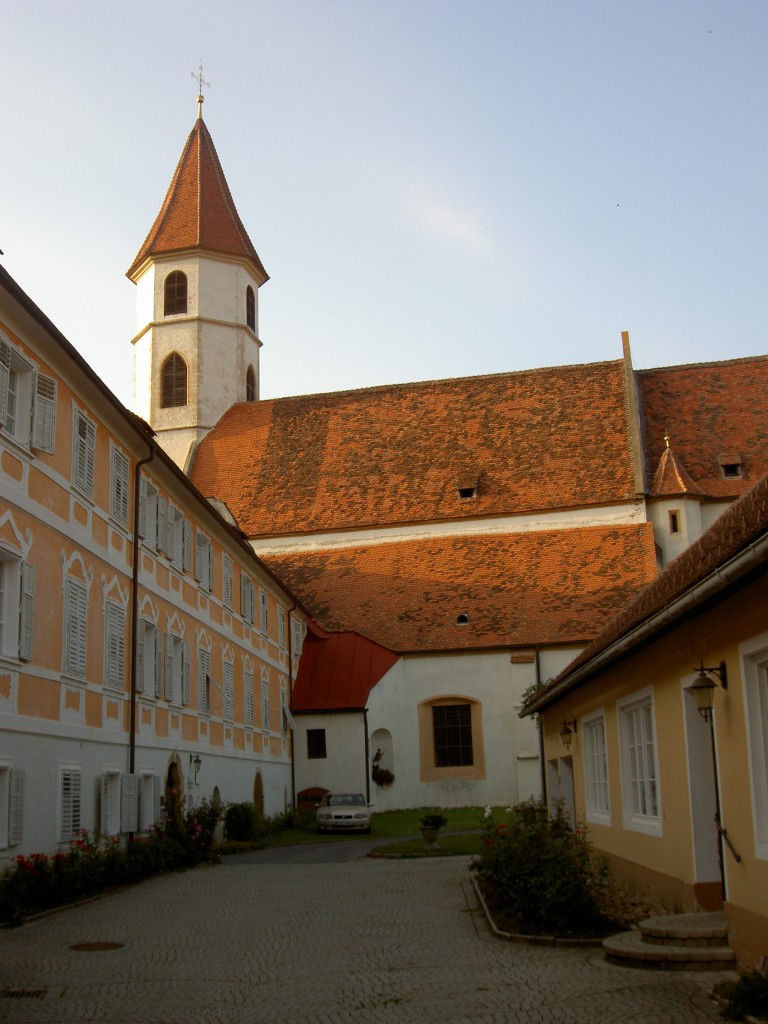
<point>200,83</point>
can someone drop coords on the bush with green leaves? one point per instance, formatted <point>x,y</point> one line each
<point>746,997</point>
<point>537,872</point>
<point>243,823</point>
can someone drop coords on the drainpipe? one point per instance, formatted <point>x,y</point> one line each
<point>135,608</point>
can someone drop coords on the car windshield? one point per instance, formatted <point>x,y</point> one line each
<point>340,799</point>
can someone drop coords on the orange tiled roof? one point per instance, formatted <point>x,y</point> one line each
<point>706,409</point>
<point>532,440</point>
<point>338,670</point>
<point>672,477</point>
<point>524,589</point>
<point>198,211</point>
<point>740,525</point>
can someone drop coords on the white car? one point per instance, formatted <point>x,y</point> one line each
<point>343,812</point>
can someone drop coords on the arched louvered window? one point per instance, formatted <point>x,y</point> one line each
<point>174,381</point>
<point>250,385</point>
<point>250,308</point>
<point>175,293</point>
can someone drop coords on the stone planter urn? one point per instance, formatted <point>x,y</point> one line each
<point>429,835</point>
<point>430,826</point>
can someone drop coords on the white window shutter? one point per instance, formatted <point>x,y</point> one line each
<point>210,567</point>
<point>199,546</point>
<point>75,627</point>
<point>143,507</point>
<point>170,643</point>
<point>129,803</point>
<point>187,545</point>
<point>186,675</point>
<point>158,636</point>
<point>27,611</point>
<point>70,804</point>
<point>140,670</point>
<point>44,416</point>
<point>16,808</point>
<point>263,612</point>
<point>115,653</point>
<point>227,581</point>
<point>162,523</point>
<point>5,374</point>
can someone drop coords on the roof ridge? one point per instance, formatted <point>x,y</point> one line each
<point>697,366</point>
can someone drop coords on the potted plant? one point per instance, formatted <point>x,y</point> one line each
<point>430,826</point>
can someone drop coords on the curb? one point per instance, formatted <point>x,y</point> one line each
<point>532,940</point>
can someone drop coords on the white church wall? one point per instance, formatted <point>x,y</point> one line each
<point>344,767</point>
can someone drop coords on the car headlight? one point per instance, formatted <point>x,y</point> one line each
<point>361,815</point>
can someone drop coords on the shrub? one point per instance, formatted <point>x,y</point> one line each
<point>537,872</point>
<point>433,821</point>
<point>243,823</point>
<point>746,997</point>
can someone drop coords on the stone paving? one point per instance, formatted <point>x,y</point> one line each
<point>365,942</point>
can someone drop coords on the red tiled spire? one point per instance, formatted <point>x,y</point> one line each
<point>198,211</point>
<point>672,477</point>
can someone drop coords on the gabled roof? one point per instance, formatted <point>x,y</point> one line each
<point>198,211</point>
<point>695,576</point>
<point>534,440</point>
<point>337,671</point>
<point>524,589</point>
<point>706,409</point>
<point>672,478</point>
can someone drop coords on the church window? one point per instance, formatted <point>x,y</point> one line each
<point>452,730</point>
<point>250,308</point>
<point>175,298</point>
<point>250,385</point>
<point>674,522</point>
<point>174,382</point>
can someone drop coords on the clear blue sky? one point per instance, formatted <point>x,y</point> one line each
<point>436,188</point>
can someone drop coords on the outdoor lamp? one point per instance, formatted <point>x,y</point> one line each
<point>196,762</point>
<point>703,688</point>
<point>567,733</point>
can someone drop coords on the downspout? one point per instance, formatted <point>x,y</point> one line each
<point>135,607</point>
<point>367,757</point>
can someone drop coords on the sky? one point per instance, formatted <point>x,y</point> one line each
<point>436,188</point>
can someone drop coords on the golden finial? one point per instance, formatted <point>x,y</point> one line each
<point>200,83</point>
<point>666,440</point>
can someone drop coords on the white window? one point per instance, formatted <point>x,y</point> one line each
<point>248,683</point>
<point>246,598</point>
<point>640,782</point>
<point>149,659</point>
<point>263,612</point>
<point>75,627</point>
<point>204,561</point>
<point>177,674</point>
<point>27,400</point>
<point>281,626</point>
<point>84,453</point>
<point>129,803</point>
<point>17,606</point>
<point>119,483</point>
<point>265,703</point>
<point>596,769</point>
<point>70,780</point>
<point>229,691</point>
<point>148,801</point>
<point>178,538</point>
<point>227,583</point>
<point>114,646</point>
<point>204,678</point>
<point>755,664</point>
<point>11,806</point>
<point>297,636</point>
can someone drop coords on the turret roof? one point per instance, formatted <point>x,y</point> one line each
<point>672,478</point>
<point>198,211</point>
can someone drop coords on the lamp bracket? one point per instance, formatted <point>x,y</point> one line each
<point>716,670</point>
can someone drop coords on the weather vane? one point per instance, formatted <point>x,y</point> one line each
<point>200,83</point>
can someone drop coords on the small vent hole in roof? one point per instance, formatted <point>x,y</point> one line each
<point>462,620</point>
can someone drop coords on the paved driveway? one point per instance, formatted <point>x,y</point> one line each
<point>361,941</point>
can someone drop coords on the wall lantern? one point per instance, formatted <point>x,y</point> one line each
<point>703,688</point>
<point>196,763</point>
<point>567,733</point>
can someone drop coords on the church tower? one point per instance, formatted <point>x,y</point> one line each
<point>196,351</point>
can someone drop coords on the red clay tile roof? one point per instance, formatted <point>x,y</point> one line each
<point>533,440</point>
<point>739,526</point>
<point>338,670</point>
<point>706,409</point>
<point>518,590</point>
<point>198,211</point>
<point>672,477</point>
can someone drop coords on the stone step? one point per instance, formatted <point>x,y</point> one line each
<point>630,950</point>
<point>700,929</point>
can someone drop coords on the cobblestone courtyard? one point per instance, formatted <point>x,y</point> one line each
<point>365,941</point>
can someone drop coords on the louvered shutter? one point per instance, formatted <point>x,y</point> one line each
<point>158,662</point>
<point>115,623</point>
<point>70,804</point>
<point>140,669</point>
<point>75,626</point>
<point>161,539</point>
<point>5,375</point>
<point>227,582</point>
<point>143,507</point>
<point>44,415</point>
<point>203,670</point>
<point>85,443</point>
<point>199,552</point>
<point>129,803</point>
<point>229,692</point>
<point>170,644</point>
<point>187,545</point>
<point>16,808</point>
<point>27,611</point>
<point>186,674</point>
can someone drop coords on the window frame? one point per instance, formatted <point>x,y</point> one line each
<point>119,486</point>
<point>174,381</point>
<point>754,661</point>
<point>114,646</point>
<point>640,784</point>
<point>69,791</point>
<point>597,796</point>
<point>175,293</point>
<point>75,628</point>
<point>317,745</point>
<point>83,452</point>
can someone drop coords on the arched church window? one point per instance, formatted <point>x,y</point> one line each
<point>174,381</point>
<point>250,385</point>
<point>250,308</point>
<point>175,293</point>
